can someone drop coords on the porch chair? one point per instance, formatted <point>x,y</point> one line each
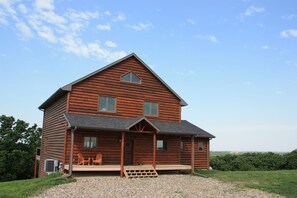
<point>82,160</point>
<point>97,160</point>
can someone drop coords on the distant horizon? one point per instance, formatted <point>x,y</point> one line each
<point>255,151</point>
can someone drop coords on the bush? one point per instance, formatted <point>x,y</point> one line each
<point>291,160</point>
<point>255,161</point>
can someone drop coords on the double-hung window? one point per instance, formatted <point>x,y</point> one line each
<point>161,145</point>
<point>90,142</point>
<point>200,146</point>
<point>107,104</point>
<point>151,109</point>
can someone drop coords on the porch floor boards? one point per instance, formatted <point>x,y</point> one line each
<point>118,167</point>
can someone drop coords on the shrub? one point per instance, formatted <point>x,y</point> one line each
<point>255,161</point>
<point>291,160</point>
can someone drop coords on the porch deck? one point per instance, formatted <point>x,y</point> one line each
<point>118,167</point>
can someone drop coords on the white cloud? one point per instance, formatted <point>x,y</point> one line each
<point>208,37</point>
<point>74,15</point>
<point>25,30</point>
<point>107,13</point>
<point>62,30</point>
<point>110,44</point>
<point>120,17</point>
<point>288,33</point>
<point>7,10</point>
<point>191,21</point>
<point>2,18</point>
<point>251,11</point>
<point>141,26</point>
<point>104,27</point>
<point>47,33</point>
<point>290,16</point>
<point>265,47</point>
<point>41,5</point>
<point>23,9</point>
<point>76,46</point>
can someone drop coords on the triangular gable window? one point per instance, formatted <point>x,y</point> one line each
<point>130,77</point>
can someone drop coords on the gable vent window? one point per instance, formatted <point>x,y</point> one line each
<point>107,104</point>
<point>130,77</point>
<point>150,109</point>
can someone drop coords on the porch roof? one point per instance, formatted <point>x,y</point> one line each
<point>124,124</point>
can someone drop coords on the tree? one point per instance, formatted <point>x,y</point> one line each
<point>18,142</point>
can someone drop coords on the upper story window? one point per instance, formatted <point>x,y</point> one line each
<point>130,77</point>
<point>150,109</point>
<point>107,104</point>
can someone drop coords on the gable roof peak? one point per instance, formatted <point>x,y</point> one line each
<point>68,87</point>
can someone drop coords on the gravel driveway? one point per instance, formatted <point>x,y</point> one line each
<point>163,186</point>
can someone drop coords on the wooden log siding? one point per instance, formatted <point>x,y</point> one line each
<point>172,154</point>
<point>84,98</point>
<point>201,158</point>
<point>108,144</point>
<point>53,132</point>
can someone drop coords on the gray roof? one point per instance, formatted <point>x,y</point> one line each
<point>68,87</point>
<point>124,124</point>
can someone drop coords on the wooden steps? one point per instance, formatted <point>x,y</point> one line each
<point>144,171</point>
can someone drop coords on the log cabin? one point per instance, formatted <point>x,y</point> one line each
<point>128,114</point>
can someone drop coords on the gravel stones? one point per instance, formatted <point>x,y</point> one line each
<point>171,186</point>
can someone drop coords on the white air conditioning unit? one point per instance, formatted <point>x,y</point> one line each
<point>51,165</point>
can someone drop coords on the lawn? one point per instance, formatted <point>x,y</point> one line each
<point>283,182</point>
<point>29,187</point>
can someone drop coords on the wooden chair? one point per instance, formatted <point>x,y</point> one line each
<point>97,160</point>
<point>82,160</point>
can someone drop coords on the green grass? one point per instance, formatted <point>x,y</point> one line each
<point>29,187</point>
<point>283,182</point>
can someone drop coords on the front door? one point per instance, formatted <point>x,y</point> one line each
<point>128,151</point>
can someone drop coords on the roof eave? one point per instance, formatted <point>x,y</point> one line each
<point>55,96</point>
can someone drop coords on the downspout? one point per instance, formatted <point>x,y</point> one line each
<point>192,155</point>
<point>73,129</point>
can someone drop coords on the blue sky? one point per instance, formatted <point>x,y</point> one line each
<point>234,62</point>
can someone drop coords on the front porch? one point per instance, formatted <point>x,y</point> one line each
<point>136,150</point>
<point>159,167</point>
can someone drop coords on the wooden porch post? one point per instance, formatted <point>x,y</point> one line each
<point>122,154</point>
<point>71,150</point>
<point>154,150</point>
<point>192,155</point>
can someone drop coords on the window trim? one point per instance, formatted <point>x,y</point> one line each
<point>90,139</point>
<point>165,145</point>
<point>157,115</point>
<point>115,109</point>
<point>140,80</point>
